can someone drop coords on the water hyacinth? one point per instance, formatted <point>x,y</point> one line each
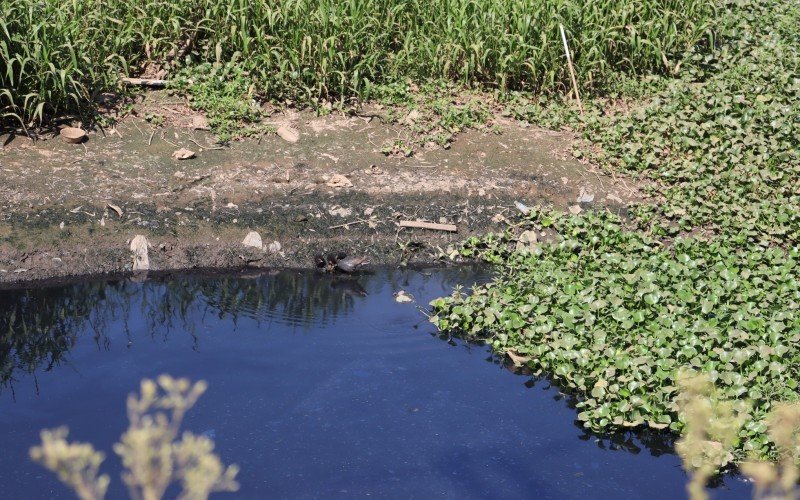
<point>614,315</point>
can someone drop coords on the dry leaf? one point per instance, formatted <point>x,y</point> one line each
<point>517,359</point>
<point>575,209</point>
<point>183,154</point>
<point>115,208</point>
<point>288,134</point>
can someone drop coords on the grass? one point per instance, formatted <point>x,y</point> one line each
<point>58,56</point>
<point>703,277</point>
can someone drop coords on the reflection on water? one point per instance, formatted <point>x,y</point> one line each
<point>319,386</point>
<point>40,325</point>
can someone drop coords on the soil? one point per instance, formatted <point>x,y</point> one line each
<point>72,209</point>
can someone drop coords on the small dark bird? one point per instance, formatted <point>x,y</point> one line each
<point>339,262</point>
<point>350,264</point>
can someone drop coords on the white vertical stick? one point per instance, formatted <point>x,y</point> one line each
<point>571,69</point>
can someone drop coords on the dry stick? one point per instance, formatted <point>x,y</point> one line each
<point>145,82</point>
<point>150,140</point>
<point>346,224</point>
<point>452,228</point>
<point>571,69</point>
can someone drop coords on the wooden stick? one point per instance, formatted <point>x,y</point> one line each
<point>451,228</point>
<point>571,69</point>
<point>145,82</point>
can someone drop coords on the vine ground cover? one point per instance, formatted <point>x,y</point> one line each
<point>704,277</point>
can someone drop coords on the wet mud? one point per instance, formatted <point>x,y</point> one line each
<point>71,210</point>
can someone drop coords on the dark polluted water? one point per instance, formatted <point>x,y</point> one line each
<point>319,387</point>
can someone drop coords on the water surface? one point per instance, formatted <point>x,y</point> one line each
<point>319,387</point>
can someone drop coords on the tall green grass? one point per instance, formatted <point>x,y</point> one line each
<point>57,54</point>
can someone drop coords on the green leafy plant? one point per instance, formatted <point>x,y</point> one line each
<point>614,315</point>
<point>150,450</point>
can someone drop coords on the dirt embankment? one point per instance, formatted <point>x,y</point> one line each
<point>71,210</point>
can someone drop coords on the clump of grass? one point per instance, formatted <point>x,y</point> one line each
<point>153,456</point>
<point>434,112</point>
<point>226,94</point>
<point>59,55</point>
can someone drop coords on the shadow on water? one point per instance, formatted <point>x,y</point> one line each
<point>362,350</point>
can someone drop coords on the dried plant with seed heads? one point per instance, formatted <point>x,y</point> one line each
<point>76,464</point>
<point>779,480</point>
<point>711,432</point>
<point>152,457</point>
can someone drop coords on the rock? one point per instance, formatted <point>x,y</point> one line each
<point>183,154</point>
<point>339,181</point>
<point>575,209</point>
<point>584,197</point>
<point>288,134</point>
<point>527,241</point>
<point>341,211</point>
<point>141,261</point>
<point>253,240</point>
<point>274,247</point>
<point>403,297</point>
<point>522,208</point>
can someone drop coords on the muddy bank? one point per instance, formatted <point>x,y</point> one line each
<point>71,210</point>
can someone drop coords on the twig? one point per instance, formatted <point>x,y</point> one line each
<point>359,221</point>
<point>191,183</point>
<point>571,69</point>
<point>451,228</point>
<point>210,148</point>
<point>137,127</point>
<point>167,140</point>
<point>150,140</point>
